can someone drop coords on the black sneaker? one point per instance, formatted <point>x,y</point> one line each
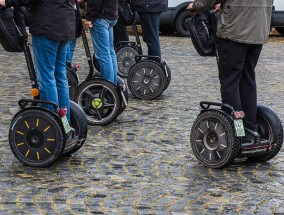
<point>253,138</point>
<point>71,140</point>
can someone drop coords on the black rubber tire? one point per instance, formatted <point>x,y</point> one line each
<point>213,139</point>
<point>270,127</point>
<point>79,122</point>
<point>100,92</point>
<point>181,23</point>
<point>123,89</point>
<point>125,59</point>
<point>280,30</point>
<point>169,76</point>
<point>36,137</point>
<point>72,83</point>
<point>146,80</point>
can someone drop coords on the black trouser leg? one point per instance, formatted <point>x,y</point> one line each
<point>237,77</point>
<point>150,23</point>
<point>120,33</point>
<point>248,89</point>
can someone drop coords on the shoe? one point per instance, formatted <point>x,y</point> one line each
<point>252,138</point>
<point>71,138</point>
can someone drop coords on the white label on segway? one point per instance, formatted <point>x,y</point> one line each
<point>239,127</point>
<point>66,125</point>
<point>123,97</point>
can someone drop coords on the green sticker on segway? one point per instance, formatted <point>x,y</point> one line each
<point>239,127</point>
<point>66,125</point>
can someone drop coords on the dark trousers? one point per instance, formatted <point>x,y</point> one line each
<point>237,78</point>
<point>150,23</point>
<point>120,33</point>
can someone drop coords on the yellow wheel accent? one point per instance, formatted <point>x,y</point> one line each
<point>20,144</point>
<point>27,153</point>
<point>47,150</point>
<point>46,129</point>
<point>21,133</point>
<point>27,124</point>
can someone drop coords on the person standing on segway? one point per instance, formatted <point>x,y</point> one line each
<point>149,14</point>
<point>52,25</point>
<point>242,29</point>
<point>120,30</point>
<point>100,19</point>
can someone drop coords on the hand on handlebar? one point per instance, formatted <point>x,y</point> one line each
<point>217,8</point>
<point>2,3</point>
<point>191,10</point>
<point>88,24</point>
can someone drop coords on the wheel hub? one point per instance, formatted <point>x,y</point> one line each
<point>211,141</point>
<point>35,138</point>
<point>147,80</point>
<point>127,62</point>
<point>97,103</point>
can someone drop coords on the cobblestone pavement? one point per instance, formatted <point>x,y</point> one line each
<point>142,163</point>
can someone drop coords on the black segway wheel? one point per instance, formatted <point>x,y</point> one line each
<point>146,80</point>
<point>100,101</point>
<point>36,137</point>
<point>123,89</point>
<point>270,128</point>
<point>79,122</point>
<point>213,140</point>
<point>125,59</point>
<point>72,83</point>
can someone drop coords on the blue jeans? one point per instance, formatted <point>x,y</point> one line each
<point>102,38</point>
<point>70,50</point>
<point>50,59</point>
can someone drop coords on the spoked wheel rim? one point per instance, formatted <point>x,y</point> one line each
<point>36,138</point>
<point>146,81</point>
<point>99,102</point>
<point>125,60</point>
<point>212,140</point>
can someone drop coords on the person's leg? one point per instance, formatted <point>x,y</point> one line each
<point>61,78</point>
<point>112,52</point>
<point>248,92</point>
<point>45,51</point>
<point>100,39</point>
<point>120,33</point>
<point>150,23</point>
<point>70,50</point>
<point>231,63</point>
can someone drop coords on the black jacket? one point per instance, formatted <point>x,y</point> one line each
<point>150,6</point>
<point>105,9</point>
<point>54,19</point>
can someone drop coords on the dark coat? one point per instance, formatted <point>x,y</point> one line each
<point>105,9</point>
<point>54,19</point>
<point>150,6</point>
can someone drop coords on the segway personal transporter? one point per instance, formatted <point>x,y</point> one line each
<point>217,135</point>
<point>38,136</point>
<point>127,50</point>
<point>101,100</point>
<point>147,76</point>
